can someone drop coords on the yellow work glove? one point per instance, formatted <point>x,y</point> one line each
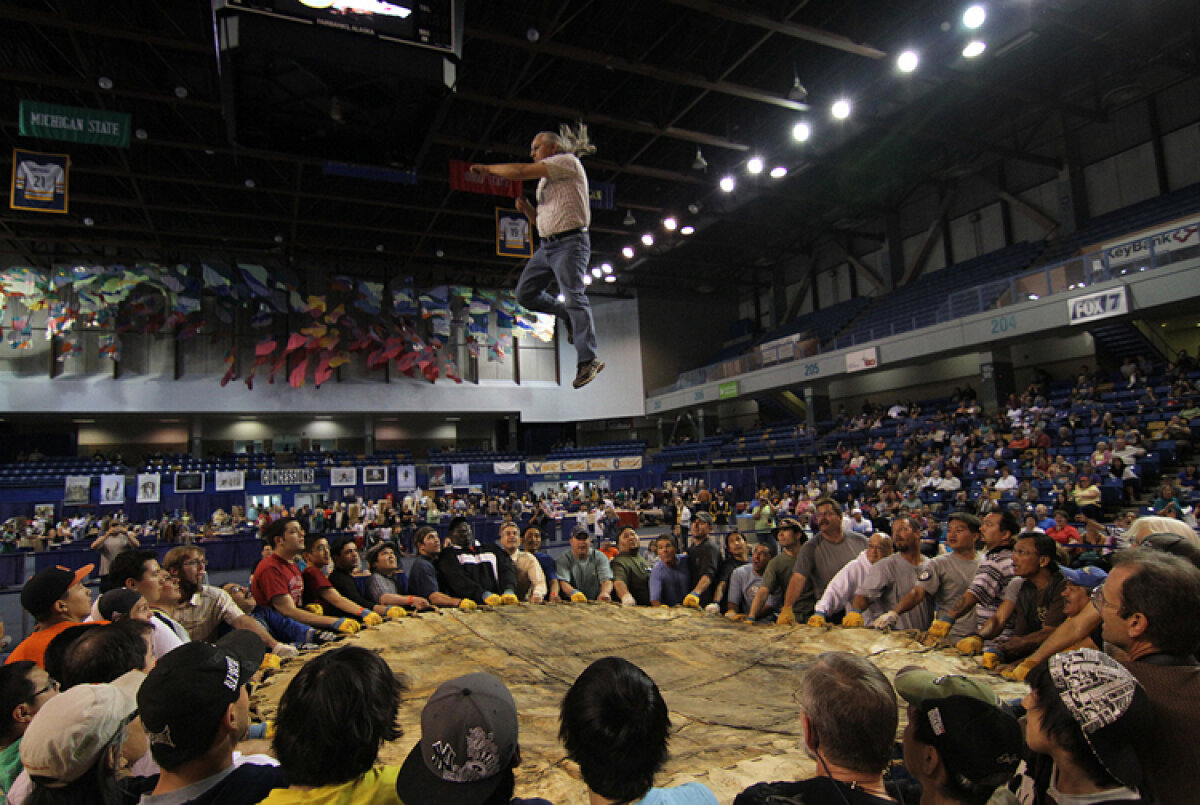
<point>370,618</point>
<point>315,609</point>
<point>509,598</point>
<point>397,612</point>
<point>467,605</point>
<point>578,597</point>
<point>853,620</point>
<point>1019,673</point>
<point>346,626</point>
<point>736,617</point>
<point>270,662</point>
<point>990,660</point>
<point>939,629</point>
<point>817,620</point>
<point>970,646</point>
<point>691,601</point>
<point>786,617</point>
<point>492,600</point>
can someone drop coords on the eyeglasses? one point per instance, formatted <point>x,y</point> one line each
<point>51,684</point>
<point>195,563</point>
<point>1099,601</point>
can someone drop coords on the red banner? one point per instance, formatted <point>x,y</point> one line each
<point>461,178</point>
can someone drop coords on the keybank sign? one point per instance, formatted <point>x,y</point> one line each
<point>1100,305</point>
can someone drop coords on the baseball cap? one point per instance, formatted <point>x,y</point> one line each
<point>47,586</point>
<point>1089,577</point>
<point>917,685</point>
<point>117,602</point>
<point>186,693</point>
<point>374,550</point>
<point>704,517</point>
<point>1112,709</point>
<point>468,738</point>
<point>789,522</point>
<point>580,532</point>
<point>73,728</point>
<point>979,744</point>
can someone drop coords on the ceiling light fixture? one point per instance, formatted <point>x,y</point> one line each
<point>610,278</point>
<point>840,109</point>
<point>797,91</point>
<point>778,172</point>
<point>907,61</point>
<point>181,92</point>
<point>801,132</point>
<point>687,230</point>
<point>670,224</point>
<point>628,252</point>
<point>974,48</point>
<point>728,183</point>
<point>974,16</point>
<point>587,279</point>
<point>699,163</point>
<point>629,219</point>
<point>755,165</point>
<point>648,239</point>
<point>105,82</point>
<point>596,272</point>
<point>695,207</point>
<point>606,268</point>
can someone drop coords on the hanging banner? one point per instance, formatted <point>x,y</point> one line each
<point>231,480</point>
<point>862,359</point>
<point>461,178</point>
<point>460,474</point>
<point>343,476</point>
<point>629,463</point>
<point>149,486</point>
<point>78,490</point>
<point>39,181</point>
<point>112,490</point>
<point>602,195</point>
<point>513,238</point>
<point>506,467</point>
<point>73,124</point>
<point>406,477</point>
<point>375,475</point>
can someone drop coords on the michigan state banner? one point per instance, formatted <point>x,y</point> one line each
<point>39,181</point>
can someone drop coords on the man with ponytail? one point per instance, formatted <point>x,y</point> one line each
<point>561,217</point>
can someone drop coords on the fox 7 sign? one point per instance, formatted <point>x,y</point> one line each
<point>1100,305</point>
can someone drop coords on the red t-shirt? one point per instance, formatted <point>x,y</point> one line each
<point>315,580</point>
<point>275,577</point>
<point>1064,535</point>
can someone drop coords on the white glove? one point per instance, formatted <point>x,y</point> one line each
<point>713,609</point>
<point>627,600</point>
<point>887,620</point>
<point>285,651</point>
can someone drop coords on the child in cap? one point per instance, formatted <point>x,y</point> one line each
<point>57,600</point>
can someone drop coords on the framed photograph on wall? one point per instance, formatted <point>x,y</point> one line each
<point>189,482</point>
<point>343,476</point>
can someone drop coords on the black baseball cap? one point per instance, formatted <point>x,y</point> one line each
<point>979,744</point>
<point>184,696</point>
<point>47,586</point>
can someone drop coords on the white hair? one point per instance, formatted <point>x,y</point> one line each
<point>1143,527</point>
<point>570,141</point>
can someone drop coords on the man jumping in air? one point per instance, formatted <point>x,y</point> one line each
<point>561,217</point>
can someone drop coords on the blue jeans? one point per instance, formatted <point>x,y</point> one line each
<point>565,262</point>
<point>282,627</point>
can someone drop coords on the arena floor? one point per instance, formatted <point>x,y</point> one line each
<point>730,687</point>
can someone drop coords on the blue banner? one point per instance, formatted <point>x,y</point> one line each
<point>602,195</point>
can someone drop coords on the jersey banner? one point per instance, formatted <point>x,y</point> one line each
<point>39,181</point>
<point>513,238</point>
<point>461,178</point>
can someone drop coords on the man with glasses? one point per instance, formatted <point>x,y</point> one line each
<point>202,608</point>
<point>24,688</point>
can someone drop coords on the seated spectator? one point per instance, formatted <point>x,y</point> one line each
<point>203,610</point>
<point>1100,456</point>
<point>346,568</point>
<point>849,716</point>
<point>745,581</point>
<point>469,746</point>
<point>1167,504</point>
<point>72,749</point>
<point>122,603</point>
<point>1082,737</point>
<point>195,710</point>
<point>422,576</point>
<point>631,573</point>
<point>1086,498</point>
<point>891,579</point>
<point>277,583</point>
<point>139,570</point>
<point>57,600</point>
<point>1007,482</point>
<point>387,584</point>
<point>839,593</point>
<point>1062,532</point>
<point>958,743</point>
<point>467,569</point>
<point>1032,606</point>
<point>584,574</point>
<point>531,580</point>
<point>100,653</point>
<point>24,688</point>
<point>350,686</point>
<point>615,725</point>
<point>669,577</point>
<point>531,543</point>
<point>320,593</point>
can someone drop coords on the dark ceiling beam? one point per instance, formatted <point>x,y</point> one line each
<point>806,33</point>
<point>1119,41</point>
<point>14,14</point>
<point>78,85</point>
<point>578,54</point>
<point>620,123</point>
<point>1019,93</point>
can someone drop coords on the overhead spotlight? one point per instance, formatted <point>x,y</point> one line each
<point>596,272</point>
<point>687,230</point>
<point>670,224</point>
<point>105,82</point>
<point>279,238</point>
<point>695,207</point>
<point>628,252</point>
<point>699,163</point>
<point>840,109</point>
<point>606,268</point>
<point>587,279</point>
<point>181,92</point>
<point>907,61</point>
<point>610,278</point>
<point>89,221</point>
<point>648,239</point>
<point>974,48</point>
<point>798,91</point>
<point>974,16</point>
<point>533,34</point>
<point>141,134</point>
<point>440,253</point>
<point>801,132</point>
<point>778,172</point>
<point>1033,297</point>
<point>755,165</point>
<point>629,219</point>
<point>379,247</point>
<point>249,183</point>
<point>728,183</point>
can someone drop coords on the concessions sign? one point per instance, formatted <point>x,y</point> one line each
<point>287,477</point>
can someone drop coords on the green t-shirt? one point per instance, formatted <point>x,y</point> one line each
<point>635,573</point>
<point>10,764</point>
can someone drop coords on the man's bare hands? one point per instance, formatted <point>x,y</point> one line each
<point>524,207</point>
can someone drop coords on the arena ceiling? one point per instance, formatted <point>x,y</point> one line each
<point>656,81</point>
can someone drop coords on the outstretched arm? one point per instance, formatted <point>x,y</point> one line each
<point>516,171</point>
